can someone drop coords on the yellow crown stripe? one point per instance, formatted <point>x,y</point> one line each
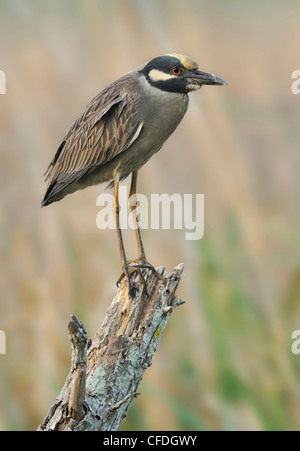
<point>185,61</point>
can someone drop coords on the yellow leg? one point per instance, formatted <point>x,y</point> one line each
<point>120,238</point>
<point>140,262</point>
<point>132,203</point>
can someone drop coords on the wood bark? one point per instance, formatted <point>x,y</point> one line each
<point>105,373</point>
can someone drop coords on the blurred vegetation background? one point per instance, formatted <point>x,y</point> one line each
<point>225,361</point>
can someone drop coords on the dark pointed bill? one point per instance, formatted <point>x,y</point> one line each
<point>204,78</point>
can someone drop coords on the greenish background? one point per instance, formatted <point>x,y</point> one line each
<point>225,360</point>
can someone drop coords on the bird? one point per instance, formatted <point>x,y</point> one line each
<point>119,131</point>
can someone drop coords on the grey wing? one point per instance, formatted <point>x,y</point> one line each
<point>106,128</point>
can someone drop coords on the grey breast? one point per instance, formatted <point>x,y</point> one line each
<point>160,113</point>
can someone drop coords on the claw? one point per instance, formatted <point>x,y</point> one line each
<point>143,263</point>
<point>136,267</point>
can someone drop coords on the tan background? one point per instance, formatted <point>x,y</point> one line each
<point>225,361</point>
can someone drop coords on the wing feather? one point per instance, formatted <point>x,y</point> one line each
<point>107,127</point>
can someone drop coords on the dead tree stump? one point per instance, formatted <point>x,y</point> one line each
<point>105,374</point>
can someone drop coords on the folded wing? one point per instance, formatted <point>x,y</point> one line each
<point>107,127</point>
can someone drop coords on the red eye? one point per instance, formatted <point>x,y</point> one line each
<point>176,70</point>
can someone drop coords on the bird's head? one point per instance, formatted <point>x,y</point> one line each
<point>178,73</point>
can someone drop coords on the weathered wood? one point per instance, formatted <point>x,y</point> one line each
<point>104,378</point>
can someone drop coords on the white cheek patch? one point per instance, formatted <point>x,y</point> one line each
<point>158,75</point>
<point>193,87</point>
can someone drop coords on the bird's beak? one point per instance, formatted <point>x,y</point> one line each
<point>203,78</point>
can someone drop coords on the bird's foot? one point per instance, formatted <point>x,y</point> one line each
<point>136,266</point>
<point>142,263</point>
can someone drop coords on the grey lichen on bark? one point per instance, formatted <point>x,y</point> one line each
<point>105,375</point>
